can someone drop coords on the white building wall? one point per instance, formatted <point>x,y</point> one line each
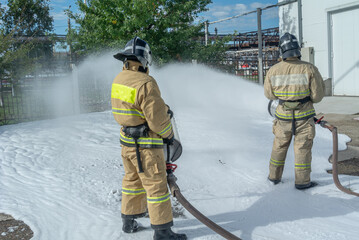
<point>315,26</point>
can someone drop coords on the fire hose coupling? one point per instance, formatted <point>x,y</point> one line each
<point>171,166</point>
<point>321,122</point>
<point>171,179</point>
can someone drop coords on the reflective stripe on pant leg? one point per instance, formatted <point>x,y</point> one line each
<point>133,193</point>
<point>154,180</point>
<point>303,143</point>
<point>282,139</point>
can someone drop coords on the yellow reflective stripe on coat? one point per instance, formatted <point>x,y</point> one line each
<point>142,140</point>
<point>127,112</point>
<point>291,94</point>
<point>158,199</point>
<point>128,191</point>
<point>124,93</point>
<point>166,129</point>
<point>297,116</point>
<point>276,162</point>
<point>302,165</point>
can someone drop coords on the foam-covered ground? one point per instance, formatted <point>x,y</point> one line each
<point>63,176</point>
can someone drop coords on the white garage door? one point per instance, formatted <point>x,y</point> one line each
<point>345,32</point>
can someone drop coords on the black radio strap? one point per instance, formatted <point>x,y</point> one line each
<point>138,155</point>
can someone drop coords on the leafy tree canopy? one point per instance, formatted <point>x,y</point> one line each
<point>167,25</point>
<point>29,17</point>
<point>23,20</point>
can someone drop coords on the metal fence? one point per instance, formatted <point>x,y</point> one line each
<point>49,96</point>
<point>244,63</point>
<point>32,98</point>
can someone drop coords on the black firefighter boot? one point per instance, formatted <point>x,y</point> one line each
<point>305,186</point>
<point>168,234</point>
<point>129,225</point>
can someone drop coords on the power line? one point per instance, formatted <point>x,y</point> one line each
<point>265,8</point>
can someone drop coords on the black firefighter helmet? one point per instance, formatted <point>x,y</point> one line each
<point>136,49</point>
<point>289,46</point>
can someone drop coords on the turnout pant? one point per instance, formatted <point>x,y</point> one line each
<point>303,142</point>
<point>147,190</point>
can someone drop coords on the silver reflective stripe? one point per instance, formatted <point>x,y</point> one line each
<point>143,48</point>
<point>142,141</point>
<point>166,129</point>
<point>303,166</point>
<point>288,41</point>
<point>276,162</point>
<point>128,48</point>
<point>158,199</point>
<point>128,112</point>
<point>297,116</point>
<point>128,191</point>
<point>291,94</point>
<point>292,79</point>
<point>146,49</point>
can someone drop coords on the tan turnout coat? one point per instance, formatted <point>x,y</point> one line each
<point>294,79</point>
<point>136,99</point>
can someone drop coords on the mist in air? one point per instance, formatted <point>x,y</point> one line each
<point>181,85</point>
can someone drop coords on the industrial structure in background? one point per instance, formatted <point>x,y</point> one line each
<point>243,53</point>
<point>259,36</point>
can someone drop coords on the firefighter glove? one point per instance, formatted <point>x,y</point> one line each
<point>169,112</point>
<point>169,141</point>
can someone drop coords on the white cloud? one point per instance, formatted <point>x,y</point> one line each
<point>240,7</point>
<point>220,14</point>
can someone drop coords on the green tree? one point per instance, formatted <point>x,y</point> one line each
<point>26,21</point>
<point>11,52</point>
<point>167,25</point>
<point>31,17</point>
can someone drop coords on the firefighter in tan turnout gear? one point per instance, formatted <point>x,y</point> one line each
<point>297,85</point>
<point>145,119</point>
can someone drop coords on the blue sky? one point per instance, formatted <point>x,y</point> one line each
<point>219,9</point>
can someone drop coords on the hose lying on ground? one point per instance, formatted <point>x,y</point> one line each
<point>176,192</point>
<point>335,159</point>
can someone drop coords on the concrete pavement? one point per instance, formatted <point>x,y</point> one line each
<point>343,112</point>
<point>338,105</point>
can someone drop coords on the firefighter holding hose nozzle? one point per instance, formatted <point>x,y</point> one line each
<point>295,85</point>
<point>138,107</point>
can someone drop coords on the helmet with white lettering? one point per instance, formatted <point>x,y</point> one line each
<point>289,46</point>
<point>136,49</point>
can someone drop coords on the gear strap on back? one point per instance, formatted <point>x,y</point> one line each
<point>292,105</point>
<point>136,132</point>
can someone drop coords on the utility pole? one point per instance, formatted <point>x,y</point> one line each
<point>300,23</point>
<point>206,32</point>
<point>260,46</point>
<point>69,41</point>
